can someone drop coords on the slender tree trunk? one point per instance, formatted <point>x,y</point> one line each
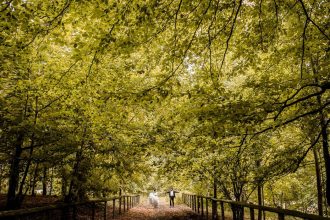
<point>263,202</point>
<point>34,182</point>
<point>260,191</point>
<point>76,190</point>
<point>72,194</point>
<point>31,186</point>
<point>27,167</point>
<point>12,202</point>
<point>44,182</point>
<point>1,174</point>
<point>326,158</point>
<point>51,182</point>
<point>260,199</point>
<point>324,132</point>
<point>318,182</point>
<point>64,186</point>
<point>20,192</point>
<point>215,195</point>
<point>325,148</point>
<point>238,211</point>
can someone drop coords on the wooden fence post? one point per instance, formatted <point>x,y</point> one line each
<point>202,206</point>
<point>128,202</point>
<point>120,201</point>
<point>124,198</point>
<point>214,210</point>
<point>198,205</point>
<point>105,210</point>
<point>74,212</point>
<point>222,210</point>
<point>113,207</point>
<point>207,208</point>
<point>194,203</point>
<point>252,213</point>
<point>93,210</point>
<point>280,216</point>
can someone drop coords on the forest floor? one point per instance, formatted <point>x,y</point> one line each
<point>145,211</point>
<point>31,201</point>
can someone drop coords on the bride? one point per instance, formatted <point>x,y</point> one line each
<point>153,199</point>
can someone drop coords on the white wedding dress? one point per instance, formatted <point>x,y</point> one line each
<point>153,199</point>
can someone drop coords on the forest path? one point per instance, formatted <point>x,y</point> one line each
<point>145,211</point>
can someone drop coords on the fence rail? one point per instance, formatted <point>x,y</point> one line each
<point>208,208</point>
<point>100,209</point>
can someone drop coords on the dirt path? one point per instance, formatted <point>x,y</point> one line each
<point>145,211</point>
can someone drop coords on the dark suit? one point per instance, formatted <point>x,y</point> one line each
<point>171,193</point>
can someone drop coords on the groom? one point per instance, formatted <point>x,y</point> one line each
<point>171,193</point>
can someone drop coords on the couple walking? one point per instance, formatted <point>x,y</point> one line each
<point>153,198</point>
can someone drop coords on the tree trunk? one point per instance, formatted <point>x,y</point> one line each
<point>51,182</point>
<point>26,171</point>
<point>29,161</point>
<point>12,201</point>
<point>64,186</point>
<point>259,190</point>
<point>34,182</point>
<point>325,148</point>
<point>44,182</point>
<point>1,180</point>
<point>214,203</point>
<point>260,200</point>
<point>78,176</point>
<point>325,143</point>
<point>318,182</point>
<point>238,212</point>
<point>74,185</point>
<point>326,157</point>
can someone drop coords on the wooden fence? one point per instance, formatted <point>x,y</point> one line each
<point>214,209</point>
<point>90,210</point>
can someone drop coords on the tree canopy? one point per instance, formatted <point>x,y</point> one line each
<point>98,96</point>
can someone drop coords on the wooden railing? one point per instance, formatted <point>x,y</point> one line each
<point>95,209</point>
<point>214,209</point>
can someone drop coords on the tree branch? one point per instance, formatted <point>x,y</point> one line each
<point>308,18</point>
<point>230,34</point>
<point>7,5</point>
<point>50,103</point>
<point>66,72</point>
<point>315,111</point>
<point>162,82</point>
<point>67,4</point>
<point>285,103</point>
<point>303,48</point>
<point>260,24</point>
